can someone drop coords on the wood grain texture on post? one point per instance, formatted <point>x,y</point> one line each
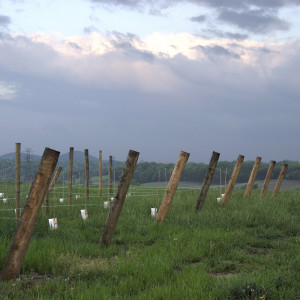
<point>110,176</point>
<point>280,179</point>
<point>100,173</point>
<point>207,180</point>
<point>232,181</point>
<point>252,177</point>
<point>87,168</point>
<point>267,179</point>
<point>118,201</point>
<point>30,214</point>
<point>172,186</point>
<point>71,155</point>
<point>18,178</point>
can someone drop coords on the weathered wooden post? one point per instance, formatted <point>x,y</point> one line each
<point>29,216</point>
<point>233,179</point>
<point>252,177</point>
<point>207,180</point>
<point>172,186</point>
<point>18,176</point>
<point>71,154</point>
<point>86,155</point>
<point>110,176</point>
<point>267,179</point>
<point>50,189</point>
<point>100,173</point>
<point>118,201</point>
<point>280,178</point>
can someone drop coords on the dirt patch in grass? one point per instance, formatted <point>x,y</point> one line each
<point>224,275</point>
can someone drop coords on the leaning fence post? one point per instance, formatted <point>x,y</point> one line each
<point>279,180</point>
<point>172,186</point>
<point>30,214</point>
<point>233,179</point>
<point>252,177</point>
<point>267,179</point>
<point>71,154</point>
<point>118,201</point>
<point>18,158</point>
<point>207,180</point>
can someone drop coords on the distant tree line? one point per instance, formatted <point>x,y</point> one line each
<point>148,171</point>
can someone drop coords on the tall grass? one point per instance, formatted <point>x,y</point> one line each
<point>247,250</point>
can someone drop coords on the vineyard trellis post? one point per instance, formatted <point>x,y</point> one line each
<point>37,193</point>
<point>233,179</point>
<point>267,179</point>
<point>252,177</point>
<point>207,180</point>
<point>18,178</point>
<point>86,156</point>
<point>110,176</point>
<point>71,155</point>
<point>52,184</point>
<point>118,200</point>
<point>280,178</point>
<point>172,186</point>
<point>100,173</point>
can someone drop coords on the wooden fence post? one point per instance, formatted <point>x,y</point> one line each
<point>172,186</point>
<point>71,154</point>
<point>233,179</point>
<point>86,155</point>
<point>118,201</point>
<point>207,180</point>
<point>30,214</point>
<point>279,180</point>
<point>18,177</point>
<point>267,179</point>
<point>252,177</point>
<point>110,176</point>
<point>100,173</point>
<point>50,189</point>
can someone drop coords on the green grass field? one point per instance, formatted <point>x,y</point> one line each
<point>248,250</point>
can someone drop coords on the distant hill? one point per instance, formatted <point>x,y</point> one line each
<point>78,155</point>
<point>12,156</point>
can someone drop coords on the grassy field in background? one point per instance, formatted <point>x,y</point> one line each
<point>248,250</point>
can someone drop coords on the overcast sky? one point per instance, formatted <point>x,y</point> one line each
<point>157,77</point>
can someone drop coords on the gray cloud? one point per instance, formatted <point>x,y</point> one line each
<point>256,21</point>
<point>101,95</point>
<point>234,4</point>
<point>198,19</point>
<point>4,21</point>
<point>225,34</point>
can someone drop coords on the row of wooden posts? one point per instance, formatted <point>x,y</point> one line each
<point>41,186</point>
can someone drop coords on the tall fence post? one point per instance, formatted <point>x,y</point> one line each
<point>52,184</point>
<point>252,177</point>
<point>267,179</point>
<point>118,201</point>
<point>172,186</point>
<point>280,178</point>
<point>71,154</point>
<point>100,173</point>
<point>207,180</point>
<point>18,178</point>
<point>29,216</point>
<point>86,156</point>
<point>110,176</point>
<point>233,179</point>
